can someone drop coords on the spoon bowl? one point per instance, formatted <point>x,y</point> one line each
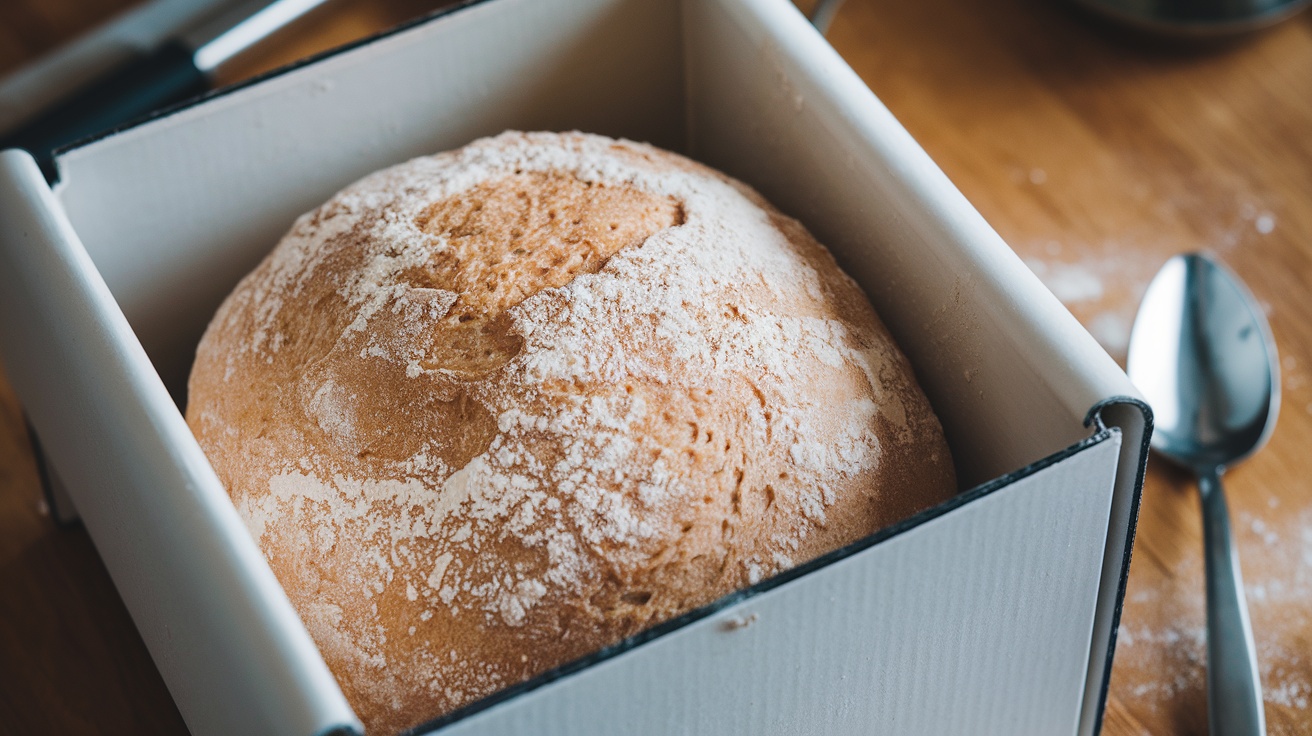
<point>1202,354</point>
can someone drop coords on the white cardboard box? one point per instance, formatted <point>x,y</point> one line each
<point>992,614</point>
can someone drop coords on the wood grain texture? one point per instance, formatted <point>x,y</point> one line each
<point>1095,153</point>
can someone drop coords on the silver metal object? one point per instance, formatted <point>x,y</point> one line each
<point>1202,354</point>
<point>175,70</point>
<point>1198,17</point>
<point>239,29</point>
<point>823,14</point>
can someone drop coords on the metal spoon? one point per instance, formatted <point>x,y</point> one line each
<point>1202,354</point>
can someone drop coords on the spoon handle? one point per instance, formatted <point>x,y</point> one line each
<point>1234,693</point>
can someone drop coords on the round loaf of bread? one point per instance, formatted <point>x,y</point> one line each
<point>490,410</point>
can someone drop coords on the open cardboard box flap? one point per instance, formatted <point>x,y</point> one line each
<point>994,613</point>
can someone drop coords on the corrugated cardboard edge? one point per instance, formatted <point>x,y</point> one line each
<point>1133,459</point>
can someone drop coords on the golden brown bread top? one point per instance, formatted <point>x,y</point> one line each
<point>490,410</point>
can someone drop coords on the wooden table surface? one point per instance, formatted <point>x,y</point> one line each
<point>1095,153</point>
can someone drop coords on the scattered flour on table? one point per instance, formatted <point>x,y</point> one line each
<point>1111,330</point>
<point>1102,283</point>
<point>1069,282</point>
<point>1164,629</point>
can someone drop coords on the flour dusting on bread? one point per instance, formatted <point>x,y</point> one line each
<point>489,410</point>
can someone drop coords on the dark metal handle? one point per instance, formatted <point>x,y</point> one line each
<point>1234,692</point>
<point>146,84</point>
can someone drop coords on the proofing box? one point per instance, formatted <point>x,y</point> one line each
<point>992,614</point>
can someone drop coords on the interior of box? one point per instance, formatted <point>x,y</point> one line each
<point>175,212</point>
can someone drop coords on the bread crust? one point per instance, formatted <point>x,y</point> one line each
<point>488,411</point>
